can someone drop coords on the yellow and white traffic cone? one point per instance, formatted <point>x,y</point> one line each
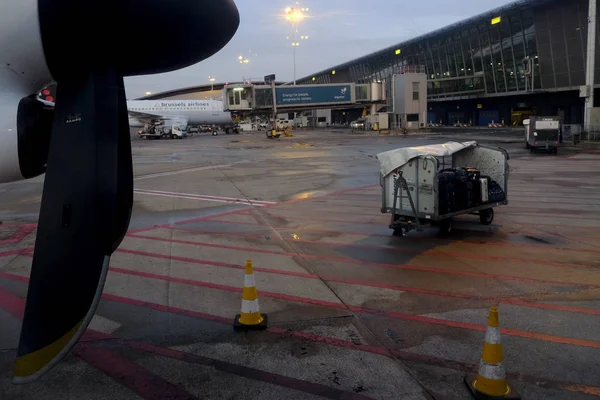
<point>250,317</point>
<point>490,382</point>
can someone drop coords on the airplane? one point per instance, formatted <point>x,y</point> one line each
<point>167,113</point>
<point>81,141</point>
<point>185,112</point>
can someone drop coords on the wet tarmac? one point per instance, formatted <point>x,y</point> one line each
<point>354,311</point>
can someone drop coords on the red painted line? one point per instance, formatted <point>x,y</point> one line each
<point>131,375</point>
<point>152,387</point>
<point>223,233</point>
<point>20,235</point>
<point>436,361</point>
<point>11,303</point>
<point>332,341</point>
<point>375,247</point>
<point>343,221</point>
<point>353,261</point>
<point>127,373</point>
<point>329,304</point>
<point>303,228</point>
<point>209,217</point>
<point>482,328</point>
<point>214,263</point>
<point>247,372</point>
<point>167,309</point>
<point>517,302</point>
<point>13,277</point>
<point>553,213</point>
<point>12,252</point>
<point>406,317</point>
<point>346,221</point>
<point>407,267</point>
<point>217,286</point>
<point>546,306</point>
<point>317,208</point>
<point>564,194</point>
<point>147,229</point>
<point>533,199</point>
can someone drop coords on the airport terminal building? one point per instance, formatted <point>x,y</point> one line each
<point>526,58</point>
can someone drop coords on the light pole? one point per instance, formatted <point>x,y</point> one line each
<point>211,79</point>
<point>590,66</point>
<point>295,15</point>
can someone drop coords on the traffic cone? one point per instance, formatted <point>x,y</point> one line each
<point>250,317</point>
<point>490,382</point>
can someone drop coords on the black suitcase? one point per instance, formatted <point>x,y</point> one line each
<point>495,193</point>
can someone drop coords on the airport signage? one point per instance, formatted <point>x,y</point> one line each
<point>314,94</point>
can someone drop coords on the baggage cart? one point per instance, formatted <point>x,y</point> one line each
<point>542,133</point>
<point>417,192</point>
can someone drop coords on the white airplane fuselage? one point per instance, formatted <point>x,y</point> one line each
<point>189,112</point>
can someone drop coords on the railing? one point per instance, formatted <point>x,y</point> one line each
<point>593,133</point>
<point>571,133</point>
<point>411,69</point>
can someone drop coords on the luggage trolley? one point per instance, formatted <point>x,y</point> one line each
<point>430,185</point>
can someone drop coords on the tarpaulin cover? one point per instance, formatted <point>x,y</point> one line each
<point>392,159</point>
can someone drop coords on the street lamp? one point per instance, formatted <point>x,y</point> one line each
<point>211,79</point>
<point>148,93</point>
<point>243,60</point>
<point>295,15</point>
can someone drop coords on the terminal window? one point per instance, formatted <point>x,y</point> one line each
<point>415,90</point>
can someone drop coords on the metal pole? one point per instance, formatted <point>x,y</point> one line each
<point>590,64</point>
<point>532,68</point>
<point>294,49</point>
<point>274,105</point>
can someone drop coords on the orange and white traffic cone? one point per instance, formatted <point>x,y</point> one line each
<point>250,317</point>
<point>490,382</point>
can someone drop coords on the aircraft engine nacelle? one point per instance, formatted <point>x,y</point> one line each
<point>25,123</point>
<point>24,140</point>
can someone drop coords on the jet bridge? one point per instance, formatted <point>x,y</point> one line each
<point>248,97</point>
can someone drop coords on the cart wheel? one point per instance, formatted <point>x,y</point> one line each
<point>531,149</point>
<point>446,225</point>
<point>486,216</point>
<point>398,232</point>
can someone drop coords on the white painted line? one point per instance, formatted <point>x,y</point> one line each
<point>229,200</point>
<point>104,325</point>
<point>185,171</point>
<point>206,197</point>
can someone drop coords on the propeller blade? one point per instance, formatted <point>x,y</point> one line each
<point>85,211</point>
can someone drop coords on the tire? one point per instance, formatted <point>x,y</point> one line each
<point>398,232</point>
<point>215,133</point>
<point>229,131</point>
<point>446,226</point>
<point>486,217</point>
<point>173,136</point>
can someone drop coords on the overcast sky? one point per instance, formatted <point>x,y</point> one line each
<point>337,30</point>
